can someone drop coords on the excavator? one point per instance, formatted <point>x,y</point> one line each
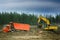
<point>45,24</point>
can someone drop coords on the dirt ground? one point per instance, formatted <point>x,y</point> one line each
<point>33,34</point>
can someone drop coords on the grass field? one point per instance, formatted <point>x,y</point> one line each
<point>33,34</point>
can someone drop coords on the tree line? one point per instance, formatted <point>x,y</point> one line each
<point>6,17</point>
<point>55,20</point>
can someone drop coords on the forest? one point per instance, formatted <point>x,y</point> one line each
<point>6,17</point>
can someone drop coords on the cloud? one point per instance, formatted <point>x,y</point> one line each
<point>29,5</point>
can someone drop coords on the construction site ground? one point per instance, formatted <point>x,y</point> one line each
<point>33,34</point>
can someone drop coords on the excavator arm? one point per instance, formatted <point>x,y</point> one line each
<point>44,19</point>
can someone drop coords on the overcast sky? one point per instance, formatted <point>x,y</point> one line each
<point>31,6</point>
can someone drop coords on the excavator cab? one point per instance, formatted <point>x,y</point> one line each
<point>46,24</point>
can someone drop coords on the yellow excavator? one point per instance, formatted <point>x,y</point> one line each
<point>47,25</point>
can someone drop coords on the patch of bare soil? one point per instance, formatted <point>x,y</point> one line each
<point>33,34</point>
